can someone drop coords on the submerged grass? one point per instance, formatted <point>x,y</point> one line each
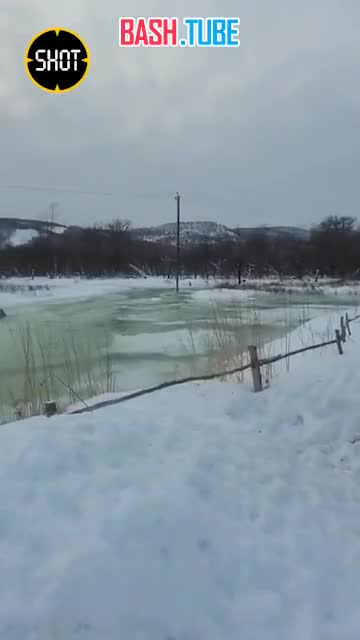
<point>64,370</point>
<point>226,336</point>
<point>73,367</point>
<point>230,331</point>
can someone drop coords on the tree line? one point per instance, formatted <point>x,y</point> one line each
<point>332,248</point>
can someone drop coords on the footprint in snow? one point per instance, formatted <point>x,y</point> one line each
<point>82,627</point>
<point>203,544</point>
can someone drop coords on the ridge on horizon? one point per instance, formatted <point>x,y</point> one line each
<point>191,230</point>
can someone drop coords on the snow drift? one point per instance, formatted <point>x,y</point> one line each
<point>203,512</point>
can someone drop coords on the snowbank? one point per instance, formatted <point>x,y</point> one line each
<point>204,512</point>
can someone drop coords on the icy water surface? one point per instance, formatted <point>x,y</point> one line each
<point>149,334</point>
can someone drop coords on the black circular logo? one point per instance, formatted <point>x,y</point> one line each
<point>57,60</point>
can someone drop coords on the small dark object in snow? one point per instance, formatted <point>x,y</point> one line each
<point>2,314</point>
<point>203,544</point>
<point>50,408</point>
<point>82,626</point>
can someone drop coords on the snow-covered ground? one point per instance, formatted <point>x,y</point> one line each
<point>204,512</point>
<point>19,291</point>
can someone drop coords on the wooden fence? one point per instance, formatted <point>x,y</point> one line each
<point>340,338</point>
<point>255,364</point>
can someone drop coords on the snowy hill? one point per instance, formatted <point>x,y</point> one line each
<point>191,232</point>
<point>210,232</point>
<point>18,231</point>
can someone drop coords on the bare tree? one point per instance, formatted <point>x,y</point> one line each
<point>119,226</point>
<point>339,224</point>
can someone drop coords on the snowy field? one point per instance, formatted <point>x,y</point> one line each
<point>204,512</point>
<point>26,290</point>
<point>20,291</point>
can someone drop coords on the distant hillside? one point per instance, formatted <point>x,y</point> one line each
<point>210,232</point>
<point>191,232</point>
<point>17,231</point>
<point>273,232</point>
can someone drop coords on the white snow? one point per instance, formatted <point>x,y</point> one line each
<point>58,229</point>
<point>26,290</point>
<point>226,295</point>
<point>20,290</point>
<point>61,289</point>
<point>22,236</point>
<point>204,512</point>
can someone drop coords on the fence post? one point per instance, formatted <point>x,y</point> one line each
<point>255,368</point>
<point>347,321</point>
<point>338,342</point>
<point>50,408</point>
<point>343,329</point>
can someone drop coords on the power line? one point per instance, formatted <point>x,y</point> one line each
<point>194,197</point>
<point>20,187</point>
<point>117,194</point>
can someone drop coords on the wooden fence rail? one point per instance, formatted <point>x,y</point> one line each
<point>254,364</point>
<point>340,338</point>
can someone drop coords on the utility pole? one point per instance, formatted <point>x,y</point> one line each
<point>52,215</point>
<point>177,198</point>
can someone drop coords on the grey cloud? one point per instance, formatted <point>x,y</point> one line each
<point>263,134</point>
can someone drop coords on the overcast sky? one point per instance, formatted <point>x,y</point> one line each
<point>267,133</point>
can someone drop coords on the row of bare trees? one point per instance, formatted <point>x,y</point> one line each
<point>332,248</point>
